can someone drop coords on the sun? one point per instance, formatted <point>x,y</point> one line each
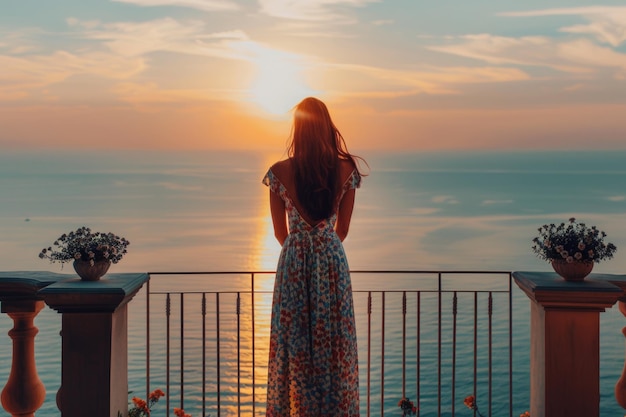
<point>279,83</point>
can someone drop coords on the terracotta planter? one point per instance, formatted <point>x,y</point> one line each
<point>87,272</point>
<point>573,271</point>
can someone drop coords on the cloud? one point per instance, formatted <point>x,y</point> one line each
<point>494,202</point>
<point>121,51</point>
<point>206,5</point>
<point>312,29</point>
<point>578,56</point>
<point>617,198</point>
<point>193,37</point>
<point>151,96</point>
<point>361,80</point>
<point>116,52</point>
<point>606,23</point>
<point>423,211</point>
<point>444,199</point>
<point>586,53</point>
<point>21,77</point>
<point>19,43</point>
<point>499,50</point>
<point>383,22</point>
<point>167,34</point>
<point>349,80</point>
<point>575,55</point>
<point>316,10</point>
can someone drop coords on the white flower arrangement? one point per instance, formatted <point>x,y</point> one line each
<point>572,242</point>
<point>84,245</point>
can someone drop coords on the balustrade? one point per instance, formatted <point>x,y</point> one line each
<point>24,392</point>
<point>565,354</point>
<point>94,365</point>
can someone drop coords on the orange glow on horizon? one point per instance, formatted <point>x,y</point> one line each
<point>240,125</point>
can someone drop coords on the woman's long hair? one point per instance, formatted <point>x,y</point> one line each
<point>316,149</point>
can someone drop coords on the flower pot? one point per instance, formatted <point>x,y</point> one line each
<point>572,271</point>
<point>87,272</point>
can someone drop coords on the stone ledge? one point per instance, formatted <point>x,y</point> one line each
<point>22,285</point>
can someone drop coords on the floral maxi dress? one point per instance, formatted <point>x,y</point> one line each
<point>313,363</point>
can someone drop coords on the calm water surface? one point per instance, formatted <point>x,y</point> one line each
<point>208,211</point>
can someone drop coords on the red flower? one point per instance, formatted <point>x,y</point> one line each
<point>470,402</point>
<point>155,395</point>
<point>141,404</point>
<point>179,412</point>
<point>143,408</point>
<point>407,407</point>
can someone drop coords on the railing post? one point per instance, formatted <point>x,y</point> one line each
<point>24,393</point>
<point>565,342</point>
<point>94,374</point>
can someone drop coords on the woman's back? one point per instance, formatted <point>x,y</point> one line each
<point>284,171</point>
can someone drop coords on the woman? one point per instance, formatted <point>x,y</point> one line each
<point>313,364</point>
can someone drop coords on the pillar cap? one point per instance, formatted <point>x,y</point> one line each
<point>596,292</point>
<point>76,296</point>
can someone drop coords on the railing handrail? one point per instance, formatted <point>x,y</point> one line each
<point>352,271</point>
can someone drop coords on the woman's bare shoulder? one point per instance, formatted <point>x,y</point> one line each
<point>345,168</point>
<point>282,169</point>
<point>283,163</point>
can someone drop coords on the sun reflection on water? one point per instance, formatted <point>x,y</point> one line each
<point>225,335</point>
<point>221,322</point>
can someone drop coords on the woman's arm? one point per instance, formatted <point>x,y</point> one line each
<point>279,219</point>
<point>344,214</point>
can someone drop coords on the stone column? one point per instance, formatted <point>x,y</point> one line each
<point>565,342</point>
<point>94,375</point>
<point>24,393</point>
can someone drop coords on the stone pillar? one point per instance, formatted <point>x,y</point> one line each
<point>94,375</point>
<point>565,342</point>
<point>24,393</point>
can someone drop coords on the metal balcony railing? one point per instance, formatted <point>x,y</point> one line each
<point>432,336</point>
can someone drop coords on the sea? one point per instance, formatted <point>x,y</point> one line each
<point>208,211</point>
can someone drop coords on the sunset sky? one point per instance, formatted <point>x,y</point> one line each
<point>396,74</point>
